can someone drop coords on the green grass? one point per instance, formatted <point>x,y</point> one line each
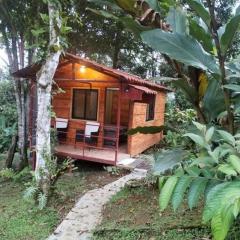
<point>20,220</point>
<point>134,214</point>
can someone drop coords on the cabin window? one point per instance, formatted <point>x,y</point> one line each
<point>85,104</point>
<point>150,108</point>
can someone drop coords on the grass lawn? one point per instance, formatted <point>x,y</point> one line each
<point>20,220</point>
<point>133,214</point>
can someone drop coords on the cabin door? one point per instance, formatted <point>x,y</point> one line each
<point>111,106</point>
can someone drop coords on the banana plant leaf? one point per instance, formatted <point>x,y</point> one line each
<point>213,101</point>
<point>198,32</point>
<point>231,29</point>
<point>201,11</point>
<point>190,93</point>
<point>128,22</point>
<point>177,18</point>
<point>182,48</point>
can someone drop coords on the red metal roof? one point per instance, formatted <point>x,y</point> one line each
<point>144,89</point>
<point>30,72</point>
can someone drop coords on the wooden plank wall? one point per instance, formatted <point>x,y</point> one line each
<point>140,142</point>
<point>62,102</point>
<point>133,114</point>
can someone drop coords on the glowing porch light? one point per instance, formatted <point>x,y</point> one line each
<point>82,69</point>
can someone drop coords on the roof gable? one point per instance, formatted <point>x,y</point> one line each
<point>30,71</point>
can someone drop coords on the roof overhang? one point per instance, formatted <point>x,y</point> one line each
<point>31,71</point>
<point>144,89</point>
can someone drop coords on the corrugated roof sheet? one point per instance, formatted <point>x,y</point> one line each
<point>30,72</point>
<point>144,89</point>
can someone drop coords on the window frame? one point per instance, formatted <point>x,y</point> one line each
<point>148,110</point>
<point>85,104</point>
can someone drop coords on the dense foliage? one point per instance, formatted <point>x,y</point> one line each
<point>201,49</point>
<point>8,114</point>
<point>213,173</point>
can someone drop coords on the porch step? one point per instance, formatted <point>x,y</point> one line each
<point>143,162</point>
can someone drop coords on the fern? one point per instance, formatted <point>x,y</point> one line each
<point>196,189</point>
<point>181,187</point>
<point>42,200</point>
<point>30,192</point>
<point>167,191</point>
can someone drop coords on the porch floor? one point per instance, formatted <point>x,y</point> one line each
<point>92,154</point>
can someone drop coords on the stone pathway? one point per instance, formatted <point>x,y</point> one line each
<point>86,214</point>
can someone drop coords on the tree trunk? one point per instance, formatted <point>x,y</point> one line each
<point>20,94</point>
<point>11,152</point>
<point>44,85</point>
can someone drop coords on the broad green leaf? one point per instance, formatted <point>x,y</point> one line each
<point>227,137</point>
<point>230,30</point>
<point>208,172</point>
<point>201,11</point>
<point>179,191</point>
<point>235,162</point>
<point>200,127</point>
<point>204,161</point>
<point>213,100</point>
<point>197,188</point>
<point>196,138</point>
<point>213,200</point>
<point>227,169</point>
<point>199,33</point>
<point>133,25</point>
<point>215,154</point>
<point>177,19</point>
<point>161,181</point>
<point>193,171</point>
<point>174,45</point>
<point>219,230</point>
<point>236,208</point>
<point>166,193</point>
<point>188,90</point>
<point>211,184</point>
<point>167,160</point>
<point>234,87</point>
<point>209,134</point>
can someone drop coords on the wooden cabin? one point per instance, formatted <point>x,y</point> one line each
<point>95,106</point>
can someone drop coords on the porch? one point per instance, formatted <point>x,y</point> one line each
<point>91,153</point>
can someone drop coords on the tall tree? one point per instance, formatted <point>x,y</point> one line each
<point>44,87</point>
<point>15,20</point>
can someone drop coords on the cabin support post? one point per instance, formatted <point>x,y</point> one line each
<point>118,121</point>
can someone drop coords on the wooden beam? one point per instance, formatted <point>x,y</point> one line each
<point>118,121</point>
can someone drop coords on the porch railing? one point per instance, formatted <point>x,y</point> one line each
<point>106,143</point>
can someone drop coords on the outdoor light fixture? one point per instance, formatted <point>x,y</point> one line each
<point>82,69</point>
